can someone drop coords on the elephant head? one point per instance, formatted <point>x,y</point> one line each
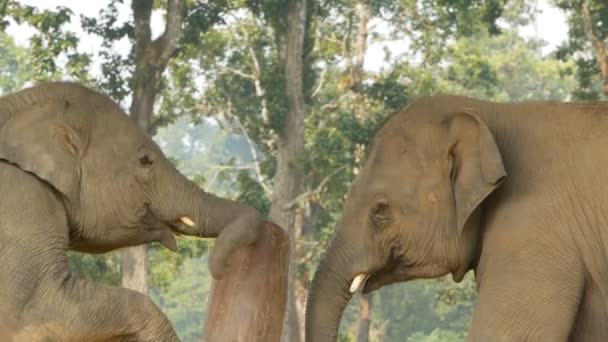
<point>412,211</point>
<point>117,186</point>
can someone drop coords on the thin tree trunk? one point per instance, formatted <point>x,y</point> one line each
<point>597,43</point>
<point>151,58</point>
<point>357,72</point>
<point>360,45</point>
<point>290,149</point>
<point>298,288</point>
<point>365,317</point>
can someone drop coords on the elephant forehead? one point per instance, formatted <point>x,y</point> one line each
<point>117,131</point>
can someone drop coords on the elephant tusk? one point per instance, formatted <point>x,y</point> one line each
<point>187,221</point>
<point>359,279</point>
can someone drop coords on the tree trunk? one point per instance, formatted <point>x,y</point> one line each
<point>151,58</point>
<point>598,45</point>
<point>134,269</point>
<point>360,45</point>
<point>248,304</point>
<point>365,317</point>
<point>290,150</point>
<point>357,72</point>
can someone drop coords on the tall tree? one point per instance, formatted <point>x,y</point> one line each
<point>587,44</point>
<point>290,152</point>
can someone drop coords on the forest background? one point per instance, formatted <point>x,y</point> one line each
<point>274,102</point>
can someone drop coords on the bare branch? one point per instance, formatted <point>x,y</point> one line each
<point>346,39</point>
<point>293,203</point>
<point>321,83</point>
<point>254,154</point>
<point>222,168</point>
<point>335,104</point>
<point>238,72</point>
<point>257,81</point>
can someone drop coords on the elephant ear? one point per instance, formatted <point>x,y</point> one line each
<point>40,140</point>
<point>476,166</point>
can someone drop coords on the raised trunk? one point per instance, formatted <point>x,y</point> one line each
<point>329,293</point>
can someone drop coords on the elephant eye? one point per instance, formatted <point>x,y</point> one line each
<point>145,160</point>
<point>381,212</point>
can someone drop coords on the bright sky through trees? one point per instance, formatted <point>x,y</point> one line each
<point>550,26</point>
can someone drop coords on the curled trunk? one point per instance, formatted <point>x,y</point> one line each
<point>199,213</point>
<point>209,213</point>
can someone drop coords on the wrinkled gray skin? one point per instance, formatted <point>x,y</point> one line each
<point>516,192</point>
<point>77,173</point>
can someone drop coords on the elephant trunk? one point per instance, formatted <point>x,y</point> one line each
<point>329,293</point>
<point>203,214</point>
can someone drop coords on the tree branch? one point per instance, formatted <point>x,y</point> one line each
<point>254,154</point>
<point>221,168</point>
<point>142,10</point>
<point>293,203</point>
<point>238,72</point>
<point>257,81</point>
<point>166,44</point>
<point>321,82</point>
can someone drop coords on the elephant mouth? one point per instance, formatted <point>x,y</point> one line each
<point>166,229</point>
<point>393,271</point>
<point>177,225</point>
<point>186,220</point>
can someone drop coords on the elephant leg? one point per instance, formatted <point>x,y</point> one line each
<point>79,310</point>
<point>529,300</point>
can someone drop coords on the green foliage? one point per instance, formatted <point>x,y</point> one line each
<point>506,68</point>
<point>167,263</point>
<point>116,70</point>
<point>104,269</point>
<point>51,42</point>
<point>391,90</point>
<point>252,193</point>
<point>13,71</point>
<point>578,48</point>
<point>182,298</point>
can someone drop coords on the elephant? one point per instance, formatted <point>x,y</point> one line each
<point>76,173</point>
<point>510,191</point>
